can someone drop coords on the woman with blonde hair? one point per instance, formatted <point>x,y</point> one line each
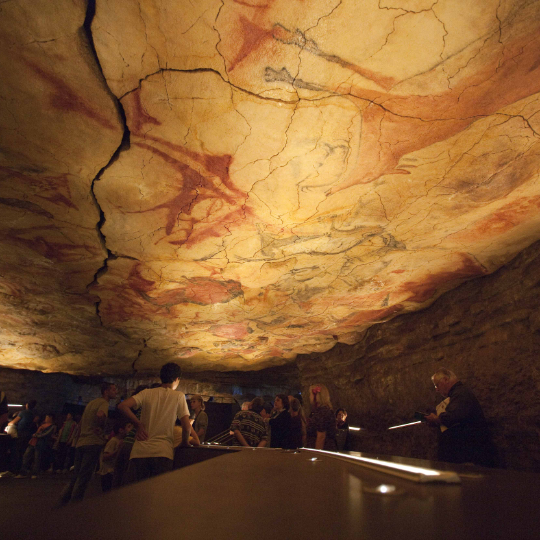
<point>200,422</point>
<point>321,426</point>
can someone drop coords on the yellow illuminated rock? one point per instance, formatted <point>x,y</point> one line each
<point>228,184</point>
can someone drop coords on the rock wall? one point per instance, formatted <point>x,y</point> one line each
<point>487,331</point>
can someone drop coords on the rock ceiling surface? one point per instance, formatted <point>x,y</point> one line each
<point>228,184</point>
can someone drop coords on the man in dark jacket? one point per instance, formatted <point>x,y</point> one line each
<point>464,436</point>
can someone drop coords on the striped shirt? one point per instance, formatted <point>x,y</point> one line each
<point>251,425</point>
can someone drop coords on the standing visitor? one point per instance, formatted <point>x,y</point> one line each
<point>62,442</point>
<point>110,453</point>
<point>298,423</point>
<point>24,421</point>
<point>321,426</point>
<point>153,452</point>
<point>280,423</point>
<point>200,423</point>
<point>464,436</point>
<point>38,448</point>
<point>90,443</point>
<point>248,426</point>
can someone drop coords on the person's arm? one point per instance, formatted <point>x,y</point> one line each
<point>319,442</point>
<point>262,443</point>
<point>125,408</point>
<point>45,432</point>
<point>186,430</point>
<point>433,419</point>
<point>240,438</point>
<point>196,440</point>
<point>15,421</point>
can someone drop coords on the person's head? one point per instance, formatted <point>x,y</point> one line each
<point>257,405</point>
<point>122,427</point>
<point>31,405</point>
<point>341,415</point>
<point>281,402</point>
<point>69,417</point>
<point>139,388</point>
<point>443,380</point>
<point>49,418</point>
<point>170,374</point>
<point>108,390</point>
<point>246,405</point>
<point>295,405</point>
<point>266,411</point>
<point>37,419</point>
<point>197,402</point>
<point>319,396</point>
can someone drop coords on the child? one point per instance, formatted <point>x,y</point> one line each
<point>61,445</point>
<point>110,453</point>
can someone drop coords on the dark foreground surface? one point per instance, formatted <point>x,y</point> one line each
<point>279,495</point>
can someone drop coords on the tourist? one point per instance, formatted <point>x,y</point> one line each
<point>321,425</point>
<point>61,446</point>
<point>200,423</point>
<point>266,414</point>
<point>90,444</point>
<point>24,421</point>
<point>280,423</point>
<point>71,444</point>
<point>153,452</point>
<point>248,426</point>
<point>3,409</point>
<point>110,453</point>
<point>298,423</point>
<point>464,436</point>
<point>342,436</point>
<point>38,448</point>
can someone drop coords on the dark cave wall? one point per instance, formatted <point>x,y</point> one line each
<point>487,331</point>
<point>53,390</point>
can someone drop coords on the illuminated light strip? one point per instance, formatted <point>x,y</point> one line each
<point>410,472</point>
<point>404,425</point>
<point>13,405</point>
<point>355,428</point>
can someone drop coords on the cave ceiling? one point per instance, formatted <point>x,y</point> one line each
<point>228,184</point>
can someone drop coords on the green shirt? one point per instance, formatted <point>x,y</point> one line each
<point>91,430</point>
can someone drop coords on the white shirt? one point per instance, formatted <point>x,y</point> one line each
<point>160,409</point>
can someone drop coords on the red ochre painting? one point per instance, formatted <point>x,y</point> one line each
<point>229,184</point>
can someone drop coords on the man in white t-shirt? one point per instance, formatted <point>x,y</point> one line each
<point>153,452</point>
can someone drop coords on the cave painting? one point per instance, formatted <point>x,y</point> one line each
<point>231,184</point>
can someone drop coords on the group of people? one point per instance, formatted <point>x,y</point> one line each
<point>138,445</point>
<point>284,424</point>
<point>155,420</point>
<point>36,444</point>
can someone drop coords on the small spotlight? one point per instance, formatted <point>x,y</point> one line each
<point>383,489</point>
<point>313,459</point>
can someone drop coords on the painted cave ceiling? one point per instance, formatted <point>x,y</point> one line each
<point>228,184</point>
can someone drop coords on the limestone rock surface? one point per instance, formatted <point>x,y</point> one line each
<point>229,184</point>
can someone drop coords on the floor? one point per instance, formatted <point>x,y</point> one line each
<point>39,495</point>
